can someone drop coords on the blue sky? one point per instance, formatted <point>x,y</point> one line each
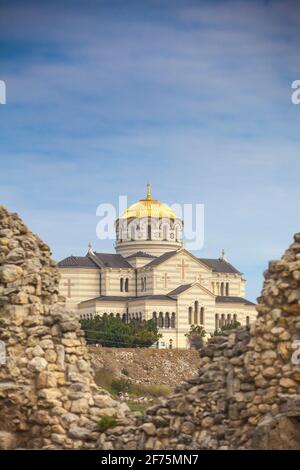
<point>194,96</point>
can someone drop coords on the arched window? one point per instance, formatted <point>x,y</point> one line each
<point>126,284</point>
<point>160,320</point>
<point>149,232</point>
<point>173,320</point>
<point>235,317</point>
<point>228,319</point>
<point>227,288</point>
<point>143,284</point>
<point>222,288</point>
<point>111,315</point>
<point>190,315</point>
<point>202,320</point>
<point>121,284</point>
<point>165,232</point>
<point>124,318</point>
<point>167,320</point>
<point>154,318</point>
<point>222,319</point>
<point>217,321</point>
<point>196,311</point>
<point>213,287</point>
<point>118,315</point>
<point>247,320</point>
<point>133,231</point>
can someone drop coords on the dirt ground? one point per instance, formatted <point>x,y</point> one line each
<point>147,366</point>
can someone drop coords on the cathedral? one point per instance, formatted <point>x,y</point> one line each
<point>152,276</point>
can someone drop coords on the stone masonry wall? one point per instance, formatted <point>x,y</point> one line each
<point>247,393</point>
<point>48,398</point>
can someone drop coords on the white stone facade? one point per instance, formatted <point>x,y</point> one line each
<point>156,278</point>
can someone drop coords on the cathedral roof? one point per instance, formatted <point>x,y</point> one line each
<point>149,207</point>
<point>109,260</point>
<point>161,258</point>
<point>112,260</point>
<point>179,290</point>
<point>219,265</point>
<point>77,262</point>
<point>216,265</point>
<point>140,254</point>
<point>235,300</point>
<point>120,298</point>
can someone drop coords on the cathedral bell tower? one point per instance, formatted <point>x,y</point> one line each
<point>148,226</point>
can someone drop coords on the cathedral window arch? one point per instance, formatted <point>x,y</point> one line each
<point>190,315</point>
<point>173,320</point>
<point>222,288</point>
<point>227,289</point>
<point>196,312</point>
<point>133,231</point>
<point>202,319</point>
<point>149,231</point>
<point>165,232</point>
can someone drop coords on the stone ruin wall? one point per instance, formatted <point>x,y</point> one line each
<point>48,397</point>
<point>247,393</point>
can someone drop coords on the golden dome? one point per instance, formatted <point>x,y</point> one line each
<point>148,208</point>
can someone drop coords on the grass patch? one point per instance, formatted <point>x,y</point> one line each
<point>107,422</point>
<point>137,407</point>
<point>106,379</point>
<point>152,391</point>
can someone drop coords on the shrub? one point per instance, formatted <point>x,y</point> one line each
<point>196,335</point>
<point>229,326</point>
<point>113,332</point>
<point>107,422</point>
<point>120,385</point>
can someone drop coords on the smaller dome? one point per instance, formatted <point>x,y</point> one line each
<point>149,208</point>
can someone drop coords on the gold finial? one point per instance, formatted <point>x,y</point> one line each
<point>148,192</point>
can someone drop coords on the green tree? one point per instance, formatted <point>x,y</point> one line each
<point>196,335</point>
<point>229,326</point>
<point>111,331</point>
